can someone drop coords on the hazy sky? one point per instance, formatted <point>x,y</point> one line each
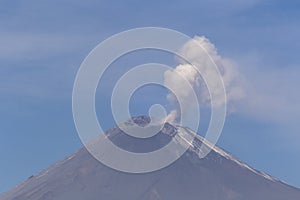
<point>42,45</point>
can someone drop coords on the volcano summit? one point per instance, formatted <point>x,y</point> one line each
<point>218,176</point>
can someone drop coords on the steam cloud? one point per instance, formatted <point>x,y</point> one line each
<point>188,71</point>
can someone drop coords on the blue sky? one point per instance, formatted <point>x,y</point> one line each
<point>42,45</point>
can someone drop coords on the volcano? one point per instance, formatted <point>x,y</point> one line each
<point>218,176</point>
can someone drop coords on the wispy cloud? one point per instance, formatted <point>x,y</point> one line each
<point>32,46</point>
<point>272,94</point>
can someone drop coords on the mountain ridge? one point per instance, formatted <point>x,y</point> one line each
<point>219,175</point>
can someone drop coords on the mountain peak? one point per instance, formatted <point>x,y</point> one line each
<point>140,120</point>
<point>218,176</point>
<point>144,121</point>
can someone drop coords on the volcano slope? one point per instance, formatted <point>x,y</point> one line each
<point>218,176</point>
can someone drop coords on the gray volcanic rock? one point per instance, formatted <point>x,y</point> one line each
<point>218,176</point>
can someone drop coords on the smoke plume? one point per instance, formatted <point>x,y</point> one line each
<point>200,61</point>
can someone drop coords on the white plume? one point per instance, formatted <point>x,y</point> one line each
<point>201,58</point>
